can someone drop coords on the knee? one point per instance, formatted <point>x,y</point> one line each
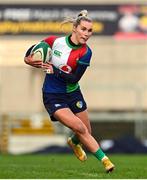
<point>80,128</point>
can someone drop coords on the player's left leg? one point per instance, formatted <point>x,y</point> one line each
<point>100,155</point>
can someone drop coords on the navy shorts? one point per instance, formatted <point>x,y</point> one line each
<point>54,101</point>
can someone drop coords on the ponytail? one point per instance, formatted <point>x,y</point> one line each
<point>83,15</point>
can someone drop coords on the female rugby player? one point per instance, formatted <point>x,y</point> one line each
<point>62,96</point>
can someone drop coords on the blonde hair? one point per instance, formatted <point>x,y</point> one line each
<point>83,15</point>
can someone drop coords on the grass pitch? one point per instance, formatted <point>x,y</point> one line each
<point>66,166</point>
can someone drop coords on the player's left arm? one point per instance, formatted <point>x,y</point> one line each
<point>73,77</point>
<point>82,65</point>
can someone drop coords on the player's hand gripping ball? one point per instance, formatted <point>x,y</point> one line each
<point>41,51</point>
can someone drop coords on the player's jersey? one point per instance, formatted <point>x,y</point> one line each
<point>65,57</point>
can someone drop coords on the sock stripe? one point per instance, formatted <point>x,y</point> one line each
<point>99,154</point>
<point>75,139</point>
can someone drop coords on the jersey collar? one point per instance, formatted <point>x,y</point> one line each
<point>71,45</point>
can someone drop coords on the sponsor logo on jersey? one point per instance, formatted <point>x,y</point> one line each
<point>65,68</point>
<point>79,104</point>
<point>57,53</point>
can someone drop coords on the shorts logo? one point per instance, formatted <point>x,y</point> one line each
<point>79,104</point>
<point>57,105</point>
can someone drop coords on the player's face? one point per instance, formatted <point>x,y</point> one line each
<point>83,32</point>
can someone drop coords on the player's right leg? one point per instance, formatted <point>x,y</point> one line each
<point>74,141</point>
<point>51,103</point>
<point>79,108</point>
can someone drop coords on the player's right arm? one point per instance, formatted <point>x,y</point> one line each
<point>28,59</point>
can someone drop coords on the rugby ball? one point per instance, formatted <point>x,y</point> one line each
<point>41,51</point>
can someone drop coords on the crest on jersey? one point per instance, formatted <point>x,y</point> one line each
<point>65,68</point>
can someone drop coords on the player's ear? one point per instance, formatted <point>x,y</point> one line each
<point>74,29</point>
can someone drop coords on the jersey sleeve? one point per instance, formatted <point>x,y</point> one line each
<point>50,40</point>
<point>85,60</point>
<point>29,51</point>
<point>71,78</point>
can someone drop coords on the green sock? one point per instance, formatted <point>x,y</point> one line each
<point>99,154</point>
<point>75,139</point>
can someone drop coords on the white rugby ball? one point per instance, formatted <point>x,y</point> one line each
<point>41,51</point>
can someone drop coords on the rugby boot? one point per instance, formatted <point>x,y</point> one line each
<point>78,150</point>
<point>108,165</point>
